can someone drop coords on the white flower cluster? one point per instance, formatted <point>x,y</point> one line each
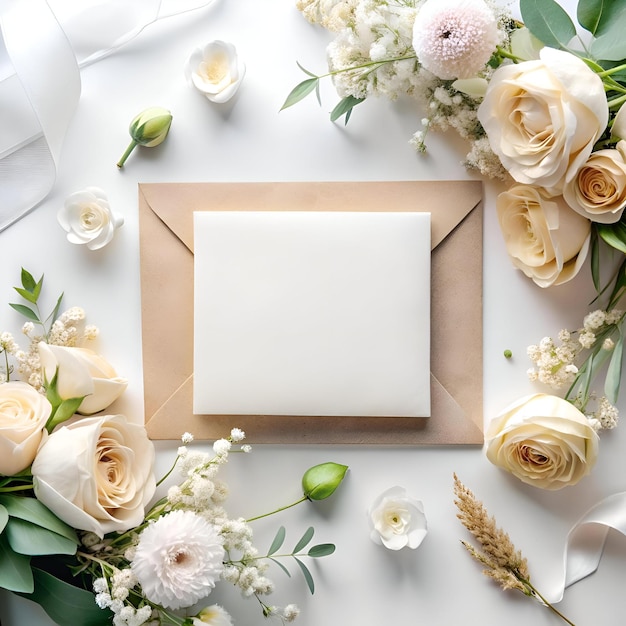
<point>374,54</point>
<point>555,364</point>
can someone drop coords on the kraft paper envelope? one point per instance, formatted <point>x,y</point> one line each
<point>166,249</point>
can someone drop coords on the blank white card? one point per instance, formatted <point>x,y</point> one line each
<point>311,313</point>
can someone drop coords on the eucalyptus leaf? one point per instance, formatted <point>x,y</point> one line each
<point>4,518</point>
<point>281,566</point>
<point>31,510</point>
<point>601,16</point>
<point>27,312</point>
<point>609,47</point>
<point>278,541</point>
<point>549,22</point>
<point>15,572</point>
<point>30,539</point>
<point>300,91</point>
<point>61,601</point>
<point>307,575</point>
<point>614,371</point>
<point>322,549</point>
<point>304,540</point>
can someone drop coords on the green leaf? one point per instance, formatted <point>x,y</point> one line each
<point>614,371</point>
<point>31,539</point>
<point>548,21</point>
<point>307,575</point>
<point>344,107</point>
<point>281,566</point>
<point>25,311</point>
<point>614,235</point>
<point>619,286</point>
<point>31,510</point>
<point>28,282</point>
<point>4,518</point>
<point>61,600</point>
<point>304,540</point>
<point>606,20</point>
<point>300,91</point>
<point>55,312</point>
<point>322,549</point>
<point>15,572</point>
<point>27,295</point>
<point>306,71</point>
<point>278,541</point>
<point>595,261</point>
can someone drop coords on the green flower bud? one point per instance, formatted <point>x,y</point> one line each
<point>320,481</point>
<point>148,129</point>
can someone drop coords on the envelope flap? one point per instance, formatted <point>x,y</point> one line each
<point>174,203</point>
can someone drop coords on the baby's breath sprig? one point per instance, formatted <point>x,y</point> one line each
<point>501,560</point>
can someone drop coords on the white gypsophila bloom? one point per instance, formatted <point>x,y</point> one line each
<point>608,344</point>
<point>236,434</point>
<point>607,414</point>
<point>178,559</point>
<point>221,447</point>
<point>594,320</point>
<point>290,612</point>
<point>613,316</point>
<point>187,438</point>
<point>455,38</point>
<point>586,339</point>
<point>100,585</point>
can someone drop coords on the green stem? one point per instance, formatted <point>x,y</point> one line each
<point>617,102</point>
<point>612,70</point>
<point>546,603</point>
<point>15,488</point>
<point>131,147</point>
<point>367,65</point>
<point>507,55</point>
<point>282,508</point>
<point>171,469</point>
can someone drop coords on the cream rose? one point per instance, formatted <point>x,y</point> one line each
<point>544,441</point>
<point>598,191</point>
<point>543,117</point>
<point>543,236</point>
<point>216,70</point>
<point>23,416</point>
<point>96,474</point>
<point>82,372</point>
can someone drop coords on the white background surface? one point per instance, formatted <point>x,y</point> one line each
<point>247,139</point>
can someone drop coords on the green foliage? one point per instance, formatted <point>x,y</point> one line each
<point>15,572</point>
<point>549,22</point>
<point>316,551</point>
<point>303,89</point>
<point>344,107</point>
<point>30,291</point>
<point>61,600</point>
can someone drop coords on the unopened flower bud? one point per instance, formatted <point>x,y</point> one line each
<point>320,481</point>
<point>148,129</point>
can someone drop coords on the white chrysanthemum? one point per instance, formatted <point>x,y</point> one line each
<point>455,38</point>
<point>178,559</point>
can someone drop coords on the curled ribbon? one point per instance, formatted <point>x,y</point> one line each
<point>586,539</point>
<point>43,45</point>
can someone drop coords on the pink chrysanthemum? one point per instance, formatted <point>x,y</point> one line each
<point>455,38</point>
<point>178,559</point>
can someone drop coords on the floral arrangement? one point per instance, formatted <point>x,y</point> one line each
<point>80,530</point>
<point>540,105</point>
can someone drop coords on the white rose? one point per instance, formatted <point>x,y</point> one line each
<point>397,520</point>
<point>543,117</point>
<point>544,441</point>
<point>543,236</point>
<point>215,70</point>
<point>96,474</point>
<point>82,372</point>
<point>87,218</point>
<point>598,191</point>
<point>23,416</point>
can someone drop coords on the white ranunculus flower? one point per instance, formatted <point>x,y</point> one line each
<point>543,440</point>
<point>82,372</point>
<point>23,416</point>
<point>543,236</point>
<point>455,38</point>
<point>397,520</point>
<point>598,191</point>
<point>87,218</point>
<point>178,560</point>
<point>96,474</point>
<point>215,70</point>
<point>543,117</point>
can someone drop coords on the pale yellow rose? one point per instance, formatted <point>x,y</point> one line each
<point>543,236</point>
<point>543,117</point>
<point>82,372</point>
<point>544,441</point>
<point>23,416</point>
<point>96,474</point>
<point>598,191</point>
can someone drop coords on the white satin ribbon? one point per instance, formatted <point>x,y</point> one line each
<point>43,46</point>
<point>586,539</point>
